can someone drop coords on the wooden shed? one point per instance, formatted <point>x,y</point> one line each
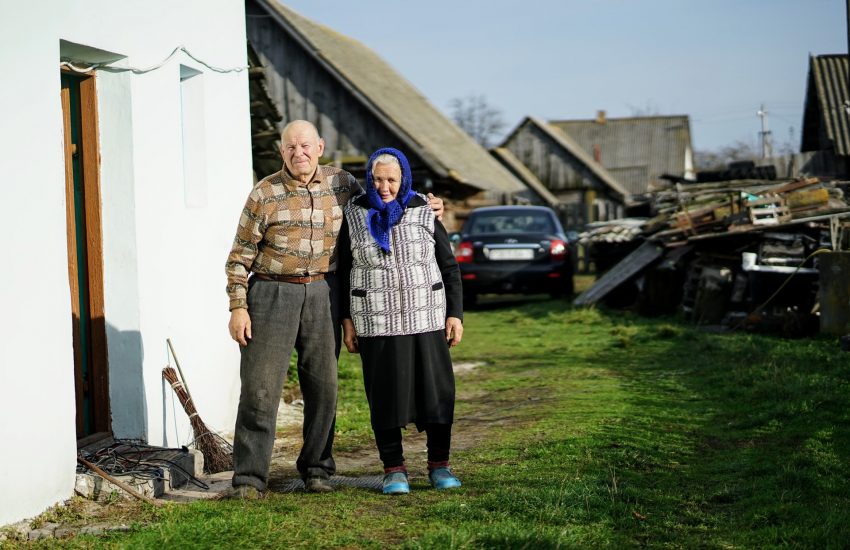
<point>825,147</point>
<point>585,190</point>
<point>637,150</point>
<point>360,103</point>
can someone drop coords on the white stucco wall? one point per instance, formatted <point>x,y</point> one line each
<point>163,261</point>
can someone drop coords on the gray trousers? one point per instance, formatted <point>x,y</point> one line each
<point>286,316</point>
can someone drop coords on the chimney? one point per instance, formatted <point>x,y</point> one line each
<point>597,152</point>
<point>600,117</point>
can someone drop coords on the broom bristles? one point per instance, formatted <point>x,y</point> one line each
<point>218,456</point>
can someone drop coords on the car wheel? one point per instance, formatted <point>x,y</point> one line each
<point>566,291</point>
<point>470,299</point>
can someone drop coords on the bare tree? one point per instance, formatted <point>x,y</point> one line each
<point>477,118</point>
<point>649,109</point>
<point>789,146</point>
<point>719,159</point>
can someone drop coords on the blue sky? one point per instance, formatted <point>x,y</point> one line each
<point>714,60</point>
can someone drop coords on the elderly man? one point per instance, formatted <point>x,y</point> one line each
<point>287,239</point>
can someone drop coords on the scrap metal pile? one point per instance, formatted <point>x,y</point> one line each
<point>740,253</point>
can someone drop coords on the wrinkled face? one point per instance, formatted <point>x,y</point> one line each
<point>387,180</point>
<point>301,148</point>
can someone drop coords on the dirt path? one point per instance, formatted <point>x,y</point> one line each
<point>468,432</point>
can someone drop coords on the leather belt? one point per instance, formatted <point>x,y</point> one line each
<point>306,279</point>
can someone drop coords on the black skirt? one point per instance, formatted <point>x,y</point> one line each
<point>408,379</point>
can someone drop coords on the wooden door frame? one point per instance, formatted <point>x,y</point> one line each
<point>89,151</point>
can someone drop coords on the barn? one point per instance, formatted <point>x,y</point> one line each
<point>360,103</point>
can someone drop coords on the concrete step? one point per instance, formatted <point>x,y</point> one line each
<point>165,470</point>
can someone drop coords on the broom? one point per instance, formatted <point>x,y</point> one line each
<point>218,453</point>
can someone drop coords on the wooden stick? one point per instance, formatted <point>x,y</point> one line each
<point>176,362</point>
<point>121,484</point>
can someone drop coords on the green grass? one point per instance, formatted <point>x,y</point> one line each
<point>590,428</point>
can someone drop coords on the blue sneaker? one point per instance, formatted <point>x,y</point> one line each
<point>396,484</point>
<point>443,478</point>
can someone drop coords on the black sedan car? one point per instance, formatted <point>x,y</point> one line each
<point>514,249</point>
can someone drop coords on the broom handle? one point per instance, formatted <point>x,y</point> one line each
<point>176,362</point>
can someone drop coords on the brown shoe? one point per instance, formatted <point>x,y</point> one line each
<point>318,485</point>
<point>243,492</point>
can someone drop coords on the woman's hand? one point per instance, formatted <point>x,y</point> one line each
<point>454,331</point>
<point>349,336</point>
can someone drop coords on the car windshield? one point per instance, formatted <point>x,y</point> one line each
<point>516,222</point>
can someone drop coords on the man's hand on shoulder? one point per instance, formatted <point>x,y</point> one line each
<point>240,326</point>
<point>436,204</point>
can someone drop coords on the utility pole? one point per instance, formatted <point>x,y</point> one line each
<point>790,140</point>
<point>766,149</point>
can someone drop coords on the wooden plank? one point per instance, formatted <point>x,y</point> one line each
<point>770,210</point>
<point>71,234</point>
<point>738,229</point>
<point>763,201</point>
<point>631,265</point>
<point>94,246</point>
<point>96,437</point>
<point>799,184</point>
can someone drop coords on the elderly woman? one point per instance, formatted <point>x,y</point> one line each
<point>402,309</point>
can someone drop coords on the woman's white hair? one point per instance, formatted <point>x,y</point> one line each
<point>385,158</point>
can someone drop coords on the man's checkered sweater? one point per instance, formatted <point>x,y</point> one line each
<point>401,292</point>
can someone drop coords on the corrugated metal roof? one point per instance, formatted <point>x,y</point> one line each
<point>521,170</point>
<point>441,144</point>
<point>826,123</point>
<point>636,150</point>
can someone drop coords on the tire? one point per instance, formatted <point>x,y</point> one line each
<point>570,287</point>
<point>566,291</point>
<point>470,300</point>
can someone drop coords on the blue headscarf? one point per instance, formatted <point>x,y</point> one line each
<point>382,216</point>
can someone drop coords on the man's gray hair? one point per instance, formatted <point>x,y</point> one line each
<point>385,158</point>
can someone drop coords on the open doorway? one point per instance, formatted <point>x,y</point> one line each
<point>85,256</point>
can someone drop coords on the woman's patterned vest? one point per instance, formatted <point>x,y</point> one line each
<point>400,292</point>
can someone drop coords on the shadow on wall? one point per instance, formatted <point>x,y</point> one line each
<point>126,383</point>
